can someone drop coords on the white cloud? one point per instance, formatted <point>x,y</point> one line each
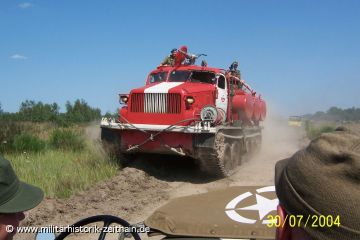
<point>18,57</point>
<point>25,5</point>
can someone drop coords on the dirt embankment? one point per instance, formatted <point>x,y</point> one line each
<point>125,194</point>
<point>129,195</point>
<point>138,190</point>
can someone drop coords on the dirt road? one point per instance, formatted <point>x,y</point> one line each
<point>138,190</point>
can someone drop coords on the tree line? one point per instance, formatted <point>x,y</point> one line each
<point>336,114</point>
<point>77,112</point>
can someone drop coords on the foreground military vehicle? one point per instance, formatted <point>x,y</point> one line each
<point>189,110</point>
<point>234,213</point>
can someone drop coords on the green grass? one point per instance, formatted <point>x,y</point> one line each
<point>61,161</point>
<point>61,173</point>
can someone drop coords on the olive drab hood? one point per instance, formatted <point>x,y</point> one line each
<point>237,212</point>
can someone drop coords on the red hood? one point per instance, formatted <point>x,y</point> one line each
<point>190,87</point>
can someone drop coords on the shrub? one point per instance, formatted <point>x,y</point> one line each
<point>63,121</point>
<point>314,132</point>
<point>67,139</point>
<point>28,143</point>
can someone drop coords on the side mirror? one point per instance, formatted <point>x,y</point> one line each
<point>45,234</point>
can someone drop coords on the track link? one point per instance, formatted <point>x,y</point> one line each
<point>223,160</point>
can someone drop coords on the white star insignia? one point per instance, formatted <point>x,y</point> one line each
<point>263,206</point>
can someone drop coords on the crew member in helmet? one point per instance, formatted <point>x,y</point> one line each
<point>234,71</point>
<point>15,198</point>
<point>169,60</point>
<point>321,185</point>
<point>235,76</point>
<point>204,63</point>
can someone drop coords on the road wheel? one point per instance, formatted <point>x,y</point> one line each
<point>218,163</point>
<point>226,161</point>
<point>247,145</point>
<point>236,154</point>
<point>258,143</point>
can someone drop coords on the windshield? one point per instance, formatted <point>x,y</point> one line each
<point>179,76</point>
<point>203,77</point>
<point>157,77</point>
<point>195,76</point>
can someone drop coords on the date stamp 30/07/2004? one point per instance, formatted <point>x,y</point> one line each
<point>314,221</point>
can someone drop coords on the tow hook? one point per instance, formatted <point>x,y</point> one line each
<point>179,150</point>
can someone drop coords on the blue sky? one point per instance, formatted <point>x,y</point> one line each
<point>302,56</point>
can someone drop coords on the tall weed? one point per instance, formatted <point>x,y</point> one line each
<point>8,131</point>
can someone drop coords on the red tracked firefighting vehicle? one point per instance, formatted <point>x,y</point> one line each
<point>189,110</point>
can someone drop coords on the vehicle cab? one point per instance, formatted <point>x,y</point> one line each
<point>171,94</point>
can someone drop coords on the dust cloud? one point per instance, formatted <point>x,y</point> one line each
<point>279,141</point>
<point>92,131</point>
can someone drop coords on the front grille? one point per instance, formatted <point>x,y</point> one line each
<point>156,102</point>
<point>137,102</point>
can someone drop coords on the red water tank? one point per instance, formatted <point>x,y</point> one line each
<point>263,110</point>
<point>257,109</point>
<point>243,103</point>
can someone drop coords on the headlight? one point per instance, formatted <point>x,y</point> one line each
<point>190,100</point>
<point>209,113</point>
<point>124,99</point>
